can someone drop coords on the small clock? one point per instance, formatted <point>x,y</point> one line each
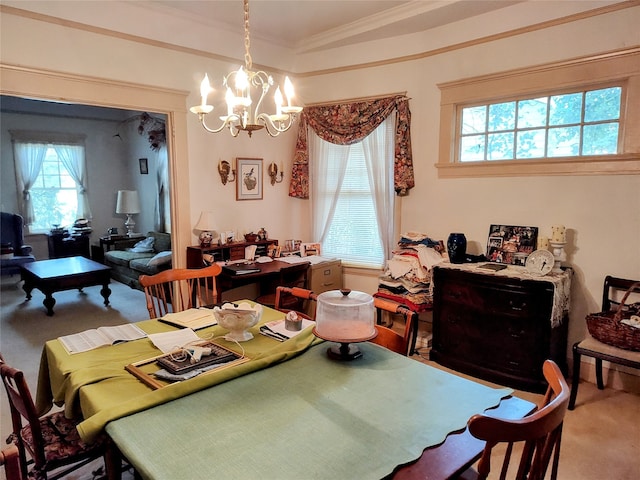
<point>540,262</point>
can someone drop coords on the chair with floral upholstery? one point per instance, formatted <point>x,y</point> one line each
<point>52,441</point>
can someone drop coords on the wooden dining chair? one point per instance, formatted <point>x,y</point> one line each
<point>539,433</point>
<point>179,289</point>
<point>51,441</point>
<point>10,458</point>
<point>287,297</point>
<point>295,275</point>
<point>591,347</point>
<point>404,343</point>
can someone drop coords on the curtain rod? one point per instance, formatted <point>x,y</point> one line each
<point>359,99</point>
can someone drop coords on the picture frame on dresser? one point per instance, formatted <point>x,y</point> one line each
<point>249,179</point>
<point>511,244</point>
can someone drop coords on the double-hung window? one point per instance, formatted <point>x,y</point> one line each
<point>353,197</point>
<point>50,171</point>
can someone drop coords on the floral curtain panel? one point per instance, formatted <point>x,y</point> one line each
<point>347,123</point>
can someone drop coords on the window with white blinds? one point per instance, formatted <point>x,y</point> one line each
<point>351,231</point>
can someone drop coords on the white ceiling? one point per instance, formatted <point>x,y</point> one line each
<point>302,36</point>
<point>307,25</point>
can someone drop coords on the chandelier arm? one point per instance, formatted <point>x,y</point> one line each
<point>272,128</point>
<point>229,121</point>
<point>265,89</point>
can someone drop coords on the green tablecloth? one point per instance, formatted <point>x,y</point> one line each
<point>96,386</point>
<point>310,417</point>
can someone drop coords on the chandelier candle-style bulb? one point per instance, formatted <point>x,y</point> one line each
<point>205,89</point>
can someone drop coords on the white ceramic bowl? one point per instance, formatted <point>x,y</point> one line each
<point>238,318</point>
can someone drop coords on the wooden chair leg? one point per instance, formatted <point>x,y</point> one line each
<point>113,462</point>
<point>599,373</point>
<point>577,359</point>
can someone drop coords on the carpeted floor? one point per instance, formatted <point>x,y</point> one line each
<point>601,437</point>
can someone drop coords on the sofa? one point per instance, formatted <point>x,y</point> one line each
<point>142,257</point>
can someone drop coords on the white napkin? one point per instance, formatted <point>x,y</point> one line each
<point>170,341</point>
<point>634,321</point>
<point>278,327</point>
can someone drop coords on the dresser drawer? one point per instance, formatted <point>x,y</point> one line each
<point>325,276</point>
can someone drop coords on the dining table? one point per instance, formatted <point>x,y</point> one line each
<point>287,411</point>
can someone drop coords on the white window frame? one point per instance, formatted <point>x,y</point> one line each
<point>613,68</point>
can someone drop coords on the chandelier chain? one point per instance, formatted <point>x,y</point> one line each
<point>247,41</point>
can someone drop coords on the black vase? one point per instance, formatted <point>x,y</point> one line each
<point>457,247</point>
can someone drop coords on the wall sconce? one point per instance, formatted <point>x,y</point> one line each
<point>224,168</point>
<point>273,173</point>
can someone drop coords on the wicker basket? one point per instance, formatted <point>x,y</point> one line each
<point>608,328</point>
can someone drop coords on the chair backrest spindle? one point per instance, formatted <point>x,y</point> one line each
<point>179,289</point>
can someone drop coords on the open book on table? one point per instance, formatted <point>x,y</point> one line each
<point>100,337</point>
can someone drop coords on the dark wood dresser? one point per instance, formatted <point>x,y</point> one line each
<point>65,245</point>
<point>499,328</point>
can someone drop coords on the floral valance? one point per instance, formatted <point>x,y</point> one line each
<point>348,123</point>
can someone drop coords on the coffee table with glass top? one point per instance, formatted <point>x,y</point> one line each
<point>56,275</point>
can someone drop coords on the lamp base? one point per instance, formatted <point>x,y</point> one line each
<point>206,238</point>
<point>344,352</point>
<point>130,225</point>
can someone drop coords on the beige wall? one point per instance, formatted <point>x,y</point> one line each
<point>601,212</point>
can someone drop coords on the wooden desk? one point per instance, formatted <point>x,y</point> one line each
<point>267,277</point>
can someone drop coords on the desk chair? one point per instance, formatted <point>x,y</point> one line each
<point>404,344</point>
<point>292,296</point>
<point>52,441</point>
<point>179,289</point>
<point>292,276</point>
<point>601,351</point>
<point>541,433</point>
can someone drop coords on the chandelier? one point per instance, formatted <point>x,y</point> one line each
<point>242,112</point>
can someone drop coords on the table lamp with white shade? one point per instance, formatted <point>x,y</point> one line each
<point>128,203</point>
<point>206,225</point>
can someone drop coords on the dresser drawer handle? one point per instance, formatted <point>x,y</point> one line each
<point>517,306</point>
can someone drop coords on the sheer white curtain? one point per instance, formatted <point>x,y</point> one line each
<point>378,149</point>
<point>325,187</point>
<point>72,157</point>
<point>162,211</point>
<point>28,161</point>
<point>328,167</point>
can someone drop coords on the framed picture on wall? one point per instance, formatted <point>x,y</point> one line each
<point>248,179</point>
<point>144,166</point>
